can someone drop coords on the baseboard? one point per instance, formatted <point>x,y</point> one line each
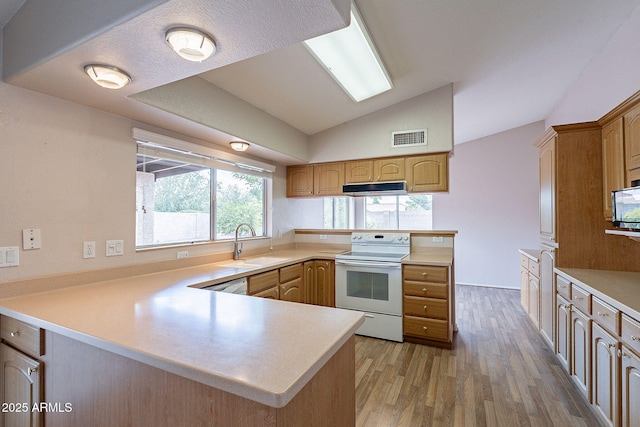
<point>483,285</point>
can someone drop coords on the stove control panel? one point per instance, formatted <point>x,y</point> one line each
<point>381,238</point>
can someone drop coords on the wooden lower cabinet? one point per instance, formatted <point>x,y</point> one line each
<point>319,281</point>
<point>427,300</point>
<point>284,284</point>
<point>580,351</point>
<point>21,379</point>
<point>21,373</point>
<point>563,336</point>
<point>530,288</point>
<point>605,375</point>
<point>630,396</point>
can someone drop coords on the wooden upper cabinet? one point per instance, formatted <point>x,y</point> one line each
<point>632,138</point>
<point>547,155</point>
<point>359,171</point>
<point>379,170</point>
<point>391,169</point>
<point>328,179</point>
<point>427,173</point>
<point>613,169</point>
<point>300,181</point>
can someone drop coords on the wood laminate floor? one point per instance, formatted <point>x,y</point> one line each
<point>499,373</point>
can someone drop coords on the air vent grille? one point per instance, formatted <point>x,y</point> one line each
<point>409,138</point>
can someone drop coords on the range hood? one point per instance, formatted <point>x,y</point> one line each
<point>375,188</point>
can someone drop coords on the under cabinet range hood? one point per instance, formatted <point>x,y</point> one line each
<point>375,188</point>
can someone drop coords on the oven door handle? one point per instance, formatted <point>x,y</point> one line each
<point>369,264</point>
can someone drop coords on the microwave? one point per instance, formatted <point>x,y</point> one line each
<point>625,205</point>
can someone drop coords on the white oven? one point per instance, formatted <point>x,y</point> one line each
<point>369,279</point>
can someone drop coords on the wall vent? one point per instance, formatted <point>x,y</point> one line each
<point>409,138</point>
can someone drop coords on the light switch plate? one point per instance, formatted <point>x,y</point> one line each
<point>9,256</point>
<point>115,247</point>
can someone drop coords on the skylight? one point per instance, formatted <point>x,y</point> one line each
<point>350,57</point>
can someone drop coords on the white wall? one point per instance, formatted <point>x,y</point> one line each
<point>69,170</point>
<point>610,78</point>
<point>370,135</point>
<point>493,203</point>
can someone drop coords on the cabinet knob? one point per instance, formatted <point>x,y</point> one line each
<point>31,370</point>
<point>634,338</point>
<point>425,308</point>
<point>425,328</point>
<point>424,290</point>
<point>15,334</point>
<point>424,274</point>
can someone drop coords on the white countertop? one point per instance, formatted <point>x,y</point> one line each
<point>620,289</point>
<point>260,349</point>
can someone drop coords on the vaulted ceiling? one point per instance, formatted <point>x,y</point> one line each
<point>510,61</point>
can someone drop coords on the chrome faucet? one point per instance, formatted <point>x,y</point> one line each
<point>237,247</point>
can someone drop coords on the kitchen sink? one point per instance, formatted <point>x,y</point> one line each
<point>253,263</point>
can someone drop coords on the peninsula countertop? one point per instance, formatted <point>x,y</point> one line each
<point>260,349</point>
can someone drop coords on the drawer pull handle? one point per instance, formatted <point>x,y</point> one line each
<point>15,334</point>
<point>634,338</point>
<point>31,370</point>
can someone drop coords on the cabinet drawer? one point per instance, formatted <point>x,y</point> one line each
<point>290,273</point>
<point>524,261</point>
<point>432,290</point>
<point>631,332</point>
<point>426,307</point>
<point>607,316</point>
<point>581,299</point>
<point>563,287</point>
<point>426,273</point>
<point>23,336</point>
<point>426,328</point>
<point>263,281</point>
<point>534,268</point>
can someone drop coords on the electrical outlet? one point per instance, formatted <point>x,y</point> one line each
<point>323,237</point>
<point>438,239</point>
<point>183,254</point>
<point>88,250</point>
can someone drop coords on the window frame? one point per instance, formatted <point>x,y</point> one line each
<point>206,158</point>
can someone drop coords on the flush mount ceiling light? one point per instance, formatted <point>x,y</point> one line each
<point>191,43</point>
<point>107,76</point>
<point>351,58</point>
<point>239,145</point>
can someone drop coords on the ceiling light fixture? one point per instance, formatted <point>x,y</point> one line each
<point>239,145</point>
<point>191,43</point>
<point>351,58</point>
<point>107,76</point>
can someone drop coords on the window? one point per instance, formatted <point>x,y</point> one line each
<point>336,212</point>
<point>184,198</point>
<point>398,212</point>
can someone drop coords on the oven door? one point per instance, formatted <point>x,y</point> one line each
<point>369,286</point>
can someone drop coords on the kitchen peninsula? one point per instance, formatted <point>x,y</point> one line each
<point>155,350</point>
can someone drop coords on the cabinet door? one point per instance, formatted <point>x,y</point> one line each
<point>300,181</point>
<point>534,299</point>
<point>548,190</point>
<point>391,169</point>
<point>21,379</point>
<point>310,290</point>
<point>547,294</point>
<point>328,179</point>
<point>563,347</point>
<point>427,173</point>
<point>325,283</point>
<point>271,293</point>
<point>632,138</point>
<point>359,171</point>
<point>292,290</point>
<point>605,375</point>
<point>613,170</point>
<point>524,289</point>
<point>630,388</point>
<point>580,366</point>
